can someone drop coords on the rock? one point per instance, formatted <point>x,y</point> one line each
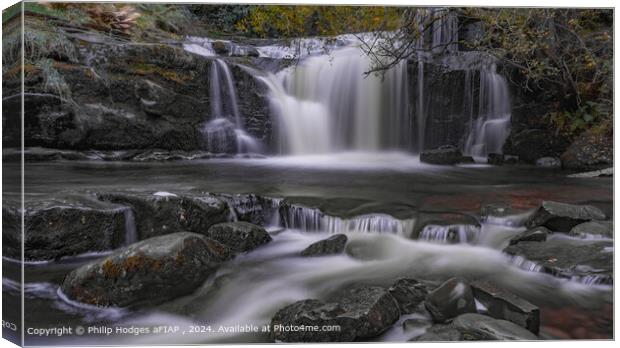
<point>467,160</point>
<point>561,217</point>
<point>415,324</point>
<point>443,155</point>
<point>332,245</point>
<point>146,273</point>
<point>549,162</point>
<point>594,174</point>
<point>440,333</point>
<point>450,299</point>
<point>164,212</point>
<point>532,144</point>
<point>603,229</point>
<point>220,47</point>
<point>502,304</point>
<point>496,159</point>
<point>592,150</point>
<point>536,234</point>
<point>482,327</point>
<point>62,227</point>
<point>239,236</point>
<point>508,159</point>
<point>361,313</point>
<point>589,261</point>
<point>409,293</point>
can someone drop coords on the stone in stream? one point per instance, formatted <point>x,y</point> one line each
<point>562,217</point>
<point>603,229</point>
<point>146,273</point>
<point>475,326</point>
<point>62,227</point>
<point>450,299</point>
<point>361,312</point>
<point>440,333</point>
<point>161,213</point>
<point>239,236</point>
<point>445,155</point>
<point>409,293</point>
<point>332,245</point>
<point>549,162</point>
<point>467,160</point>
<point>536,234</point>
<point>503,304</point>
<point>496,159</point>
<point>220,47</point>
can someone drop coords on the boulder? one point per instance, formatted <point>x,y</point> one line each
<point>536,234</point>
<point>496,159</point>
<point>409,293</point>
<point>601,229</point>
<point>549,162</point>
<point>146,273</point>
<point>332,245</point>
<point>592,150</point>
<point>361,312</point>
<point>440,333</point>
<point>503,304</point>
<point>475,326</point>
<point>450,299</point>
<point>562,217</point>
<point>239,236</point>
<point>443,155</point>
<point>161,213</point>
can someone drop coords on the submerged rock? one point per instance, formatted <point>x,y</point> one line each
<point>601,229</point>
<point>165,212</point>
<point>450,299</point>
<point>536,234</point>
<point>502,304</point>
<point>561,217</point>
<point>443,155</point>
<point>147,273</point>
<point>332,245</point>
<point>239,236</point>
<point>409,293</point>
<point>361,313</point>
<point>475,326</point>
<point>496,159</point>
<point>549,162</point>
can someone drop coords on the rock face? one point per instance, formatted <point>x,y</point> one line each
<point>442,155</point>
<point>502,304</point>
<point>481,327</point>
<point>57,228</point>
<point>146,273</point>
<point>239,236</point>
<point>561,217</point>
<point>361,313</point>
<point>532,144</point>
<point>536,234</point>
<point>450,299</point>
<point>163,212</point>
<point>549,162</point>
<point>592,150</point>
<point>603,229</point>
<point>409,293</point>
<point>332,245</point>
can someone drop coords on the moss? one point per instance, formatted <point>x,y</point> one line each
<point>144,69</point>
<point>110,269</point>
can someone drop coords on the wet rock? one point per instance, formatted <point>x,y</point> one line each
<point>592,150</point>
<point>443,155</point>
<point>450,299</point>
<point>440,333</point>
<point>164,212</point>
<point>481,327</point>
<point>415,324</point>
<point>239,236</point>
<point>220,47</point>
<point>561,217</point>
<point>62,227</point>
<point>532,144</point>
<point>361,313</point>
<point>508,159</point>
<point>496,159</point>
<point>332,245</point>
<point>148,272</point>
<point>249,207</point>
<point>548,162</point>
<point>409,293</point>
<point>602,229</point>
<point>536,234</point>
<point>594,174</point>
<point>502,304</point>
<point>467,160</point>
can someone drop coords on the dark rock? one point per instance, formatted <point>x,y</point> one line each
<point>440,333</point>
<point>147,273</point>
<point>536,234</point>
<point>549,162</point>
<point>163,212</point>
<point>450,299</point>
<point>592,150</point>
<point>502,304</point>
<point>603,229</point>
<point>532,144</point>
<point>508,159</point>
<point>442,155</point>
<point>467,160</point>
<point>239,236</point>
<point>249,207</point>
<point>57,228</point>
<point>561,217</point>
<point>409,293</point>
<point>332,245</point>
<point>220,47</point>
<point>496,159</point>
<point>361,313</point>
<point>481,327</point>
